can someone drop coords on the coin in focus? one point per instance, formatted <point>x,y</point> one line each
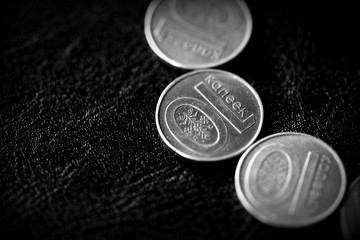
<point>209,115</point>
<point>290,180</point>
<point>350,212</point>
<point>193,34</point>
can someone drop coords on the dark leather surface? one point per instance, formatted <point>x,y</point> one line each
<point>80,156</point>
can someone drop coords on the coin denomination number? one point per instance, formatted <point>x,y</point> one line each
<point>195,125</point>
<point>276,177</point>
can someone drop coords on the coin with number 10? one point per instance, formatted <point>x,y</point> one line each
<point>209,115</point>
<point>290,180</point>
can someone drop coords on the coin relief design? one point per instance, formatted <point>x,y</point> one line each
<point>209,115</point>
<point>212,15</point>
<point>197,34</point>
<point>196,125</point>
<point>233,110</point>
<point>290,180</point>
<point>272,174</point>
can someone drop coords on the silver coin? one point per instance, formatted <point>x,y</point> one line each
<point>193,34</point>
<point>350,212</point>
<point>290,180</point>
<point>209,115</point>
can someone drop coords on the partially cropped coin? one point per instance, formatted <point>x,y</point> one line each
<point>290,180</point>
<point>350,212</point>
<point>209,115</point>
<point>193,34</point>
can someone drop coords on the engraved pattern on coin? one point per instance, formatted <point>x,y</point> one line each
<point>272,174</point>
<point>203,123</point>
<point>195,124</point>
<point>212,15</point>
<point>229,107</point>
<point>251,184</point>
<point>275,194</point>
<point>169,33</point>
<point>197,34</point>
<point>319,183</point>
<point>174,112</point>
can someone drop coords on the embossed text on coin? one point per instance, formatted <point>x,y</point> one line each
<point>209,115</point>
<point>290,180</point>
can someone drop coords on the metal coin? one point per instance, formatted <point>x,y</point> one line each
<point>350,212</point>
<point>209,115</point>
<point>193,34</point>
<point>290,180</point>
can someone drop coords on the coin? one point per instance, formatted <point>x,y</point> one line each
<point>193,34</point>
<point>350,212</point>
<point>209,115</point>
<point>290,180</point>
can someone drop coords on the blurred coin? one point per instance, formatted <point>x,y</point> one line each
<point>193,34</point>
<point>290,180</point>
<point>209,115</point>
<point>350,212</point>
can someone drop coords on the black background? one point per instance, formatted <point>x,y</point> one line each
<point>80,156</point>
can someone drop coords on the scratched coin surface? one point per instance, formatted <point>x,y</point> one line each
<point>350,212</point>
<point>209,115</point>
<point>193,34</point>
<point>290,180</point>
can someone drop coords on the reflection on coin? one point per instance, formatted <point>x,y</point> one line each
<point>350,212</point>
<point>209,115</point>
<point>290,180</point>
<point>193,34</point>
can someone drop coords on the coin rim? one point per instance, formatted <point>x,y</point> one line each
<point>343,219</point>
<point>258,214</point>
<point>208,159</point>
<point>149,37</point>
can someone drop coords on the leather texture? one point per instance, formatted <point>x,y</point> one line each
<point>80,155</point>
